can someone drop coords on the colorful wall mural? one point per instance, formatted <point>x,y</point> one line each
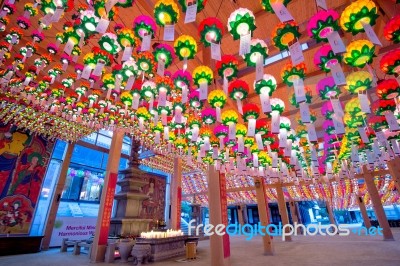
<point>23,161</point>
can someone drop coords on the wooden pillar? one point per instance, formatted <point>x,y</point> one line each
<point>55,201</point>
<point>363,210</point>
<point>294,213</point>
<point>240,214</point>
<point>329,209</point>
<point>176,194</point>
<point>376,202</point>
<point>263,212</point>
<point>219,245</point>
<point>107,197</point>
<point>394,170</point>
<point>282,208</point>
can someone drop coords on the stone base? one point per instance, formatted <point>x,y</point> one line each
<point>129,226</point>
<point>165,248</point>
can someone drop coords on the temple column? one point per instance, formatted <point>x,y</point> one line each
<point>294,213</point>
<point>363,210</point>
<point>240,209</point>
<point>376,202</point>
<point>263,212</point>
<point>55,202</point>
<point>176,194</point>
<point>219,245</point>
<point>283,209</point>
<point>107,197</point>
<point>329,209</point>
<point>394,169</point>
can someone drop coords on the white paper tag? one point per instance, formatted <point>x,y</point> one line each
<point>109,5</point>
<point>240,106</point>
<point>275,123</point>
<point>338,123</point>
<point>363,135</point>
<point>169,32</point>
<point>274,158</point>
<point>135,102</point>
<point>299,91</point>
<point>164,119</point>
<point>202,151</point>
<point>265,103</point>
<point>86,72</point>
<point>395,146</point>
<point>69,46</point>
<point>354,154</point>
<point>240,144</point>
<point>146,42</point>
<point>184,94</point>
<point>162,98</point>
<point>364,103</point>
<point>374,78</point>
<point>195,134</point>
<point>296,53</point>
<point>305,113</point>
<point>57,14</point>
<point>392,121</point>
<point>251,128</point>
<point>336,43</point>
<point>161,67</point>
<point>232,131</point>
<point>338,75</point>
<point>371,34</point>
<point>381,137</point>
<point>370,157</point>
<point>337,107</point>
<point>288,148</point>
<point>255,159</point>
<point>312,133</point>
<point>102,26</point>
<point>191,12</point>
<point>259,67</point>
<point>281,11</point>
<point>245,44</point>
<point>218,112</point>
<point>225,85</point>
<point>98,69</point>
<point>130,82</point>
<point>216,51</point>
<point>203,91</point>
<point>127,54</point>
<point>282,138</point>
<point>215,153</point>
<point>322,4</point>
<point>259,142</point>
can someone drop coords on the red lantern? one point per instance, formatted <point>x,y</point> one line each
<point>388,89</point>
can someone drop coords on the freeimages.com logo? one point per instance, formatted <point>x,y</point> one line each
<point>284,231</point>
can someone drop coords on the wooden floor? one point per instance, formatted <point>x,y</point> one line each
<point>303,250</point>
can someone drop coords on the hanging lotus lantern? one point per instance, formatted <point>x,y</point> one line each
<point>308,95</point>
<point>380,107</point>
<point>217,99</point>
<point>185,47</point>
<point>194,100</point>
<point>129,68</point>
<point>390,62</point>
<point>202,74</point>
<point>23,22</point>
<point>88,60</point>
<point>89,21</point>
<point>290,73</point>
<point>353,121</point>
<point>266,86</point>
<point>358,81</point>
<point>143,115</point>
<point>37,36</point>
<point>101,56</point>
<point>377,122</point>
<point>313,118</point>
<point>227,67</point>
<point>3,23</point>
<point>353,107</point>
<point>164,85</point>
<point>241,22</point>
<point>200,4</point>
<point>284,34</point>
<point>359,53</point>
<point>165,53</point>
<point>250,111</point>
<point>126,98</point>
<point>388,89</point>
<point>209,116</point>
<point>182,79</point>
<point>101,12</point>
<point>257,48</point>
<point>327,88</point>
<point>211,30</point>
<point>277,106</point>
<point>14,36</point>
<point>392,29</point>
<point>325,58</point>
<point>323,23</point>
<point>357,13</point>
<point>148,90</point>
<point>143,26</point>
<point>221,132</point>
<point>109,42</point>
<point>238,90</point>
<point>266,4</point>
<point>166,12</point>
<point>52,48</point>
<point>126,38</point>
<point>145,62</point>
